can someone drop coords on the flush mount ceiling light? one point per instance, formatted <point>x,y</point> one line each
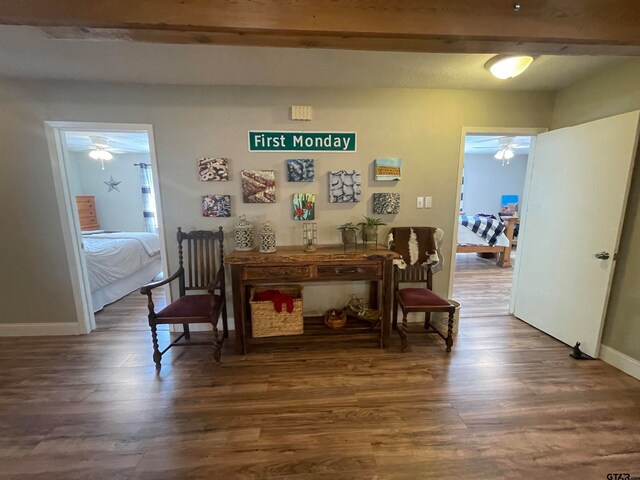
<point>508,66</point>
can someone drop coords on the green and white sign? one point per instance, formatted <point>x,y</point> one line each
<point>268,141</point>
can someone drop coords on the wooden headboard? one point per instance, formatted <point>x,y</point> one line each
<point>87,212</point>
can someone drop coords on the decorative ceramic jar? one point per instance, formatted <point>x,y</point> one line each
<point>244,234</point>
<point>267,239</point>
<point>310,236</point>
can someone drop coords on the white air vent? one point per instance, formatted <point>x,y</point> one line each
<point>301,112</point>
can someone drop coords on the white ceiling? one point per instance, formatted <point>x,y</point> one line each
<point>490,144</point>
<point>119,142</point>
<point>25,52</point>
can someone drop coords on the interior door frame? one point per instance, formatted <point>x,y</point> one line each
<point>528,131</point>
<point>68,214</point>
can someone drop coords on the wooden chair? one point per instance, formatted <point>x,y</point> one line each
<point>421,299</point>
<point>204,253</point>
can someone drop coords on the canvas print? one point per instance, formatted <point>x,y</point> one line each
<point>258,186</point>
<point>216,206</point>
<point>300,170</point>
<point>388,169</point>
<point>213,169</point>
<point>304,206</point>
<point>386,203</point>
<point>344,186</point>
<point>509,205</point>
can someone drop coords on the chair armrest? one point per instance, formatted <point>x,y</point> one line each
<point>218,281</point>
<point>146,290</point>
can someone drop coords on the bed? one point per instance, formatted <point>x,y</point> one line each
<point>117,262</point>
<point>470,242</point>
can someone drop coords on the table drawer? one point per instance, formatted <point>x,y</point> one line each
<point>277,273</point>
<point>350,272</point>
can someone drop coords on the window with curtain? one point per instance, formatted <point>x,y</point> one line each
<point>148,199</point>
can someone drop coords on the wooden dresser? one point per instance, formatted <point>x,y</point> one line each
<point>330,263</point>
<point>86,205</point>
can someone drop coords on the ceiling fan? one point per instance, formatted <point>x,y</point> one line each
<point>100,149</point>
<point>505,150</point>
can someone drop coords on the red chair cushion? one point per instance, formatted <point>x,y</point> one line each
<point>421,297</point>
<point>190,306</point>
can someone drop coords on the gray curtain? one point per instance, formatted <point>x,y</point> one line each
<point>148,199</point>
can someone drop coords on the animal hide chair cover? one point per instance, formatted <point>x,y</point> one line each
<point>417,245</point>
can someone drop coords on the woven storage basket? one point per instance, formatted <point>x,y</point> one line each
<point>266,322</point>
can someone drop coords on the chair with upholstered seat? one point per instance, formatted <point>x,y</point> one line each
<point>204,272</point>
<point>417,299</point>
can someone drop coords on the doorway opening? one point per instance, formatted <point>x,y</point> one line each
<point>491,194</point>
<point>109,192</point>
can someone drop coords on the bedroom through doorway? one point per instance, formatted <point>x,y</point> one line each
<point>493,180</point>
<point>112,189</point>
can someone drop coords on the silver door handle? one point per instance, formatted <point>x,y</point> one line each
<point>602,255</point>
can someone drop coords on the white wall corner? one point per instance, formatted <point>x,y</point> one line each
<point>623,362</point>
<point>38,329</point>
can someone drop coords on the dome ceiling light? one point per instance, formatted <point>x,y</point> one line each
<point>508,66</point>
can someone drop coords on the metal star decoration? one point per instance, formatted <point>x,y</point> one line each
<point>112,184</point>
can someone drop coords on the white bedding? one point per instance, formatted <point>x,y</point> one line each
<point>467,237</point>
<point>112,257</point>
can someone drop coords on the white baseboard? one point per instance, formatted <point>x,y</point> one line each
<point>623,362</point>
<point>38,329</point>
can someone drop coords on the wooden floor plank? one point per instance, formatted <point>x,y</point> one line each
<point>507,403</point>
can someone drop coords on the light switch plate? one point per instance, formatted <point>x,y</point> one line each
<point>427,202</point>
<point>420,202</point>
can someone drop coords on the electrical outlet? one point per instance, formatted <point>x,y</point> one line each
<point>427,202</point>
<point>420,202</point>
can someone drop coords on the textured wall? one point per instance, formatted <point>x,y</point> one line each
<point>486,180</point>
<point>422,127</point>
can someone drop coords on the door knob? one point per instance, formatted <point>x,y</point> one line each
<point>602,255</point>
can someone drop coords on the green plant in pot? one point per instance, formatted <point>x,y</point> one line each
<point>349,231</point>
<point>370,228</point>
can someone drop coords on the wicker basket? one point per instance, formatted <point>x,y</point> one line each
<point>266,322</point>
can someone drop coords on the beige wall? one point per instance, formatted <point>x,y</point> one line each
<point>423,127</point>
<point>612,92</point>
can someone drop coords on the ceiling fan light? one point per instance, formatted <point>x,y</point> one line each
<point>508,153</point>
<point>508,66</point>
<point>100,154</point>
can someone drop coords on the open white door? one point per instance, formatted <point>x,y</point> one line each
<point>571,227</point>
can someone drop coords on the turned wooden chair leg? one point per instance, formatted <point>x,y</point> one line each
<point>217,343</point>
<point>394,320</point>
<point>187,333</point>
<point>449,339</point>
<point>427,320</point>
<point>402,331</point>
<point>225,325</point>
<point>157,356</point>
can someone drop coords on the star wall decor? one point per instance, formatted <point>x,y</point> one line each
<point>112,184</point>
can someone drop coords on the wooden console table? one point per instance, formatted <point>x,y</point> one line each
<point>329,263</point>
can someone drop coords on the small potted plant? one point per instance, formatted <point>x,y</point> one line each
<point>348,230</point>
<point>370,228</point>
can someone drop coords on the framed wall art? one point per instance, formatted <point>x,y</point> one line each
<point>300,170</point>
<point>258,186</point>
<point>213,169</point>
<point>386,203</point>
<point>344,186</point>
<point>304,206</point>
<point>216,206</point>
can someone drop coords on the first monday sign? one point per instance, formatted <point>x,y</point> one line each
<point>268,141</point>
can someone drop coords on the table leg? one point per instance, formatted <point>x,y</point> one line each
<point>387,301</point>
<point>238,309</point>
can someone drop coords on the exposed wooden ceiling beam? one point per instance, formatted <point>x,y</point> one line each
<point>471,26</point>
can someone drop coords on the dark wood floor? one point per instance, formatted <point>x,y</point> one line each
<point>481,287</point>
<point>507,403</point>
